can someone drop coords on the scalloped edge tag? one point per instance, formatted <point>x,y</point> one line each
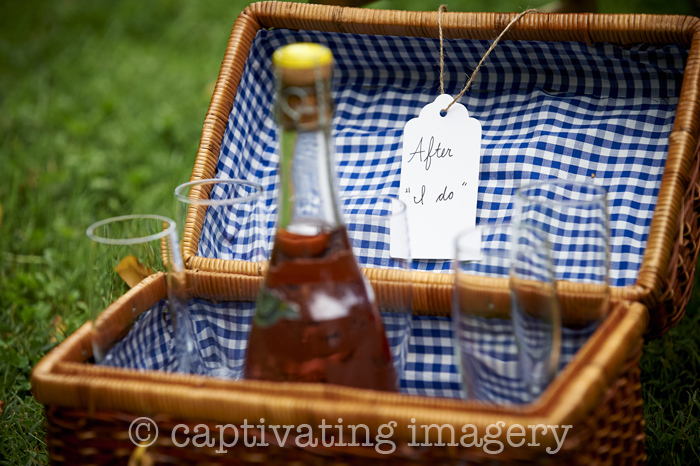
<point>439,178</point>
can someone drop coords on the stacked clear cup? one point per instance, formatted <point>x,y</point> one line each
<point>378,232</point>
<point>234,227</point>
<point>574,217</point>
<point>489,314</point>
<point>124,251</point>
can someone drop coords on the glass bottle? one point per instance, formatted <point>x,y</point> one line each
<point>316,318</point>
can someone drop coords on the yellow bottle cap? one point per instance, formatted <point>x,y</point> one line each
<point>302,55</point>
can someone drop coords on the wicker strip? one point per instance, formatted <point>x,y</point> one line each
<point>666,256</point>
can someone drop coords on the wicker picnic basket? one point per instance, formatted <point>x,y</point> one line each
<point>90,408</point>
<point>665,278</point>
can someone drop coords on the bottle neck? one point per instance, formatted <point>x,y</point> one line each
<point>308,201</point>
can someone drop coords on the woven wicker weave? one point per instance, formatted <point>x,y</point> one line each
<point>665,278</point>
<point>90,408</point>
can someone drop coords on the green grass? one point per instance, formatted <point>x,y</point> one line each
<point>671,390</point>
<point>101,109</point>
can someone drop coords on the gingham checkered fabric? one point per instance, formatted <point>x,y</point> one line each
<point>576,213</point>
<point>368,222</point>
<point>148,345</point>
<point>429,366</point>
<point>238,229</point>
<point>547,109</point>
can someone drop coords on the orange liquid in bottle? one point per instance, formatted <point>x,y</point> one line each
<point>319,323</point>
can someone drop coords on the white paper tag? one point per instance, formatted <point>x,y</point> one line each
<point>439,178</point>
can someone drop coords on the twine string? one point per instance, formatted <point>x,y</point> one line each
<point>442,57</point>
<point>476,70</point>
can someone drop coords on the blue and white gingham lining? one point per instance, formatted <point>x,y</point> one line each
<point>239,227</point>
<point>148,345</point>
<point>548,110</point>
<point>222,330</point>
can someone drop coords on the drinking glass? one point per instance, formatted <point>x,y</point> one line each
<point>233,222</point>
<point>234,228</point>
<point>490,314</point>
<point>124,251</point>
<point>574,217</point>
<point>378,232</point>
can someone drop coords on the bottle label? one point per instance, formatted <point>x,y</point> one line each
<point>439,178</point>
